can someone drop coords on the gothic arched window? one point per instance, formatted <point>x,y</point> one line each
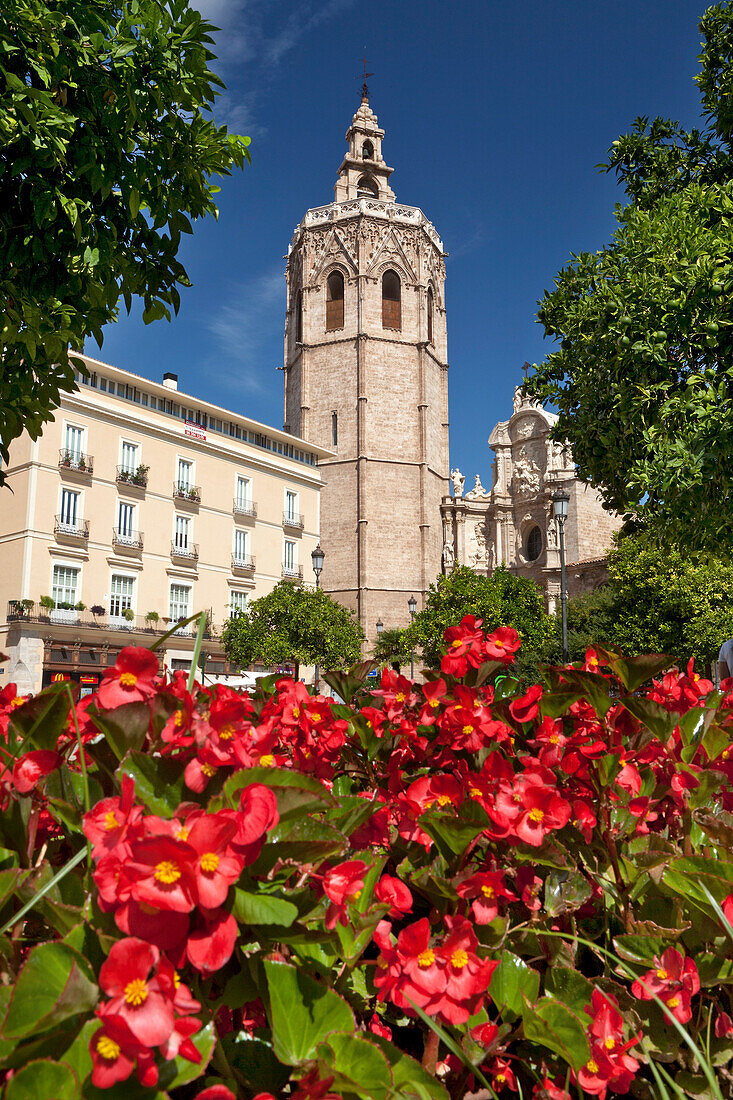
<point>334,301</point>
<point>431,304</point>
<point>299,316</point>
<point>366,188</point>
<point>367,150</point>
<point>533,546</point>
<point>391,300</point>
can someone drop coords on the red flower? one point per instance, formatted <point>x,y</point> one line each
<point>342,886</point>
<point>467,976</point>
<point>212,944</point>
<point>216,867</point>
<point>411,969</point>
<point>115,1051</point>
<point>378,1028</point>
<point>674,980</point>
<point>390,891</point>
<point>221,1092</point>
<point>33,766</point>
<point>163,873</point>
<point>502,1075</point>
<point>502,644</point>
<point>485,888</point>
<point>465,647</point>
<point>527,707</point>
<point>132,680</point>
<point>529,885</point>
<point>135,996</point>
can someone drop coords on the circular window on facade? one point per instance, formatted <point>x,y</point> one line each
<point>533,545</point>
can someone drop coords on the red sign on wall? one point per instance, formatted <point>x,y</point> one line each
<point>194,430</point>
<point>88,679</point>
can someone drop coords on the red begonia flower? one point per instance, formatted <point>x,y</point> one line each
<point>391,891</point>
<point>114,1050</point>
<point>342,885</point>
<point>134,995</point>
<point>211,946</point>
<point>216,867</point>
<point>131,680</point>
<point>527,707</point>
<point>485,888</point>
<point>33,766</point>
<point>162,871</point>
<point>221,1092</point>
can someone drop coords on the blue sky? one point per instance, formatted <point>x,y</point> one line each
<point>496,113</point>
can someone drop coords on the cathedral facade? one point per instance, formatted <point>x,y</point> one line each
<point>513,522</point>
<point>366,376</point>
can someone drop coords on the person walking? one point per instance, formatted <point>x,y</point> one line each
<point>725,660</point>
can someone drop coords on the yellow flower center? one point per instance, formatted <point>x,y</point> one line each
<point>443,800</point>
<point>209,862</point>
<point>459,959</point>
<point>662,975</point>
<point>426,958</point>
<point>107,1048</point>
<point>226,732</point>
<point>167,872</point>
<point>500,1078</point>
<point>267,760</point>
<point>536,814</point>
<point>176,979</point>
<point>208,770</point>
<point>296,712</point>
<point>593,661</point>
<point>182,833</point>
<point>554,740</point>
<point>467,731</point>
<point>592,1066</point>
<point>456,643</point>
<point>136,992</point>
<point>110,821</point>
<point>673,1002</point>
<point>315,717</point>
<point>178,718</point>
<point>487,891</point>
<point>609,1043</point>
<point>400,697</point>
<point>474,792</point>
<point>433,703</point>
<point>128,679</point>
<point>17,701</point>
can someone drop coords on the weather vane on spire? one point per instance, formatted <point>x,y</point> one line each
<point>365,86</point>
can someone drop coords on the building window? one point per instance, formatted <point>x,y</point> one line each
<point>182,532</point>
<point>240,545</point>
<point>289,554</point>
<point>299,316</point>
<point>129,462</point>
<point>64,584</point>
<point>334,301</point>
<point>244,492</point>
<point>391,300</point>
<point>334,429</point>
<point>291,505</point>
<point>367,150</point>
<point>125,519</point>
<point>179,601</point>
<point>184,478</point>
<point>366,188</point>
<point>121,594</point>
<point>431,304</point>
<point>533,547</point>
<point>237,603</point>
<point>70,510</point>
<point>73,440</point>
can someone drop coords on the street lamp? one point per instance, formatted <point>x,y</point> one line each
<point>560,501</point>
<point>412,608</point>
<point>317,557</point>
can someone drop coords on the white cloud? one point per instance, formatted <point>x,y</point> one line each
<point>248,330</point>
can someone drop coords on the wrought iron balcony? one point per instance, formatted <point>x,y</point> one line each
<point>190,493</point>
<point>137,477</point>
<point>75,529</point>
<point>75,460</point>
<point>292,572</point>
<point>293,519</point>
<point>127,540</point>
<point>188,553</point>
<point>244,508</point>
<point>243,565</point>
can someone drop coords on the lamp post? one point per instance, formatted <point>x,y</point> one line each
<point>560,501</point>
<point>317,557</point>
<point>412,608</point>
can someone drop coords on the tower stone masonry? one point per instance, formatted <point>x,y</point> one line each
<point>366,375</point>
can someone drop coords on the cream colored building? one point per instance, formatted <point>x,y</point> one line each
<point>150,505</point>
<point>366,375</point>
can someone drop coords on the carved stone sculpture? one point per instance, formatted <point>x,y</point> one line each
<point>449,557</point>
<point>458,482</point>
<point>526,476</point>
<point>478,490</point>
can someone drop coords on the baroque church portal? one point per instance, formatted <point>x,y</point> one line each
<point>366,375</point>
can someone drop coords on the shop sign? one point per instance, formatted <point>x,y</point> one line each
<point>88,679</point>
<point>194,430</point>
<point>59,677</point>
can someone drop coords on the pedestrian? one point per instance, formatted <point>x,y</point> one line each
<point>725,660</point>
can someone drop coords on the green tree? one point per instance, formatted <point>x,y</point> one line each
<point>107,153</point>
<point>503,599</point>
<point>295,625</point>
<point>390,646</point>
<point>643,376</point>
<point>591,622</point>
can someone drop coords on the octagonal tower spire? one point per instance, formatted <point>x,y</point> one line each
<point>363,172</point>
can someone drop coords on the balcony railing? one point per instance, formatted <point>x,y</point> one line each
<point>28,611</point>
<point>185,553</point>
<point>75,460</point>
<point>127,540</point>
<point>182,491</point>
<point>292,572</point>
<point>244,508</point>
<point>243,565</point>
<point>293,519</point>
<point>78,529</point>
<point>137,477</point>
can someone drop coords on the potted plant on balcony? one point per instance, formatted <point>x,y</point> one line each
<point>48,603</point>
<point>97,610</point>
<point>140,477</point>
<point>80,606</point>
<point>193,494</point>
<point>128,614</point>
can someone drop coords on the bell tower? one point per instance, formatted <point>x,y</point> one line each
<point>366,375</point>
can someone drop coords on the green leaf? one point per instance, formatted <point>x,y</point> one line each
<point>634,671</point>
<point>51,987</point>
<point>158,782</point>
<point>302,1013</point>
<point>274,777</point>
<point>125,727</point>
<point>570,987</point>
<point>263,909</point>
<point>651,714</point>
<point>511,979</point>
<point>686,876</point>
<point>558,1028</point>
<point>452,834</point>
<point>77,1055</point>
<point>346,684</point>
<point>43,1078</point>
<point>410,1079</point>
<point>42,719</point>
<point>565,891</point>
<point>358,1065</point>
<point>306,841</point>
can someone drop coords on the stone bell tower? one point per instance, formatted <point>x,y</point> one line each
<point>366,375</point>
